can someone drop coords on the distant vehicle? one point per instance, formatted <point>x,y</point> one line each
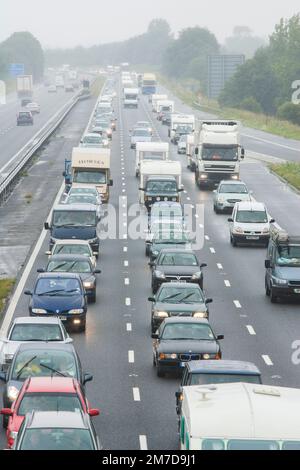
<point>25,86</point>
<point>61,295</point>
<point>24,329</point>
<point>166,210</point>
<point>149,84</point>
<point>150,151</point>
<point>24,118</point>
<point>59,81</point>
<point>69,88</point>
<point>74,247</point>
<point>33,107</point>
<point>143,125</point>
<point>92,140</point>
<point>159,225</point>
<point>228,194</point>
<point>169,239</point>
<point>181,146</point>
<point>178,299</point>
<point>182,339</point>
<point>57,431</point>
<point>52,89</point>
<point>131,97</point>
<point>45,394</point>
<point>140,135</point>
<point>81,198</point>
<point>25,102</point>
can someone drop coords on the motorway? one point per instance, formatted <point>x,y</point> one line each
<point>138,408</point>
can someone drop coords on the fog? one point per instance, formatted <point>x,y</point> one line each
<point>65,23</point>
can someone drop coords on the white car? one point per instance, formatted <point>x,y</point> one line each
<point>25,329</point>
<point>140,135</point>
<point>229,193</point>
<point>182,143</point>
<point>250,224</point>
<point>74,247</point>
<point>33,107</point>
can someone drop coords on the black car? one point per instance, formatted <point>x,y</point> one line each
<point>40,360</point>
<point>178,300</point>
<point>180,340</point>
<point>216,372</point>
<point>78,264</point>
<point>61,295</point>
<point>175,266</point>
<point>169,239</point>
<point>24,118</point>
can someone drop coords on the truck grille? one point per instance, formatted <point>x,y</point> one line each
<point>221,168</point>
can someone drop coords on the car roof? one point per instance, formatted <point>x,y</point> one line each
<point>48,346</point>
<point>251,206</point>
<point>36,321</point>
<point>221,367</point>
<point>75,207</point>
<point>59,276</point>
<point>50,384</point>
<point>69,257</point>
<point>60,419</point>
<point>186,320</point>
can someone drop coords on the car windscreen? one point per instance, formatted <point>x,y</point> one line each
<point>90,177</point>
<point>169,237</point>
<point>49,402</point>
<point>233,189</point>
<point>43,363</point>
<point>74,218</point>
<point>92,139</point>
<point>141,133</point>
<point>57,286</point>
<point>188,332</point>
<point>212,153</point>
<point>69,266</point>
<point>208,379</point>
<point>177,295</point>
<point>251,217</point>
<point>288,255</point>
<point>57,439</point>
<point>82,199</point>
<point>161,186</point>
<point>178,259</point>
<point>33,332</point>
<point>91,190</point>
<point>72,250</point>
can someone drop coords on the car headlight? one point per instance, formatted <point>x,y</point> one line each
<point>163,356</point>
<point>197,276</point>
<point>238,230</point>
<point>206,357</point>
<point>39,310</point>
<point>266,230</point>
<point>203,177</point>
<point>76,311</point>
<point>160,314</point>
<point>12,393</point>
<point>155,253</point>
<point>159,274</point>
<point>221,199</point>
<point>234,177</point>
<point>200,315</point>
<point>280,282</point>
<point>88,285</point>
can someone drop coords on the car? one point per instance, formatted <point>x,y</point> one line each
<point>282,277</point>
<point>52,89</point>
<point>99,131</point>
<point>181,146</point>
<point>143,125</point>
<point>159,225</point>
<point>61,295</point>
<point>182,339</point>
<point>176,265</point>
<point>81,198</point>
<point>86,190</point>
<point>92,140</point>
<point>78,264</point>
<point>74,247</point>
<point>25,101</point>
<point>25,329</point>
<point>228,194</point>
<point>33,107</point>
<point>250,224</point>
<point>69,88</point>
<point>57,431</point>
<point>178,299</point>
<point>216,372</point>
<point>24,118</point>
<point>180,131</point>
<point>169,239</point>
<point>166,210</point>
<point>140,135</point>
<point>40,360</point>
<point>104,125</point>
<point>45,394</point>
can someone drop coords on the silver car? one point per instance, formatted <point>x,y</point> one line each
<point>228,194</point>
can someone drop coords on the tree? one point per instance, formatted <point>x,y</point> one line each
<point>243,42</point>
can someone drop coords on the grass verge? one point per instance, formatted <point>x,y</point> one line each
<point>6,287</point>
<point>290,172</point>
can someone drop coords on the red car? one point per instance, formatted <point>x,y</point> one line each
<point>45,394</point>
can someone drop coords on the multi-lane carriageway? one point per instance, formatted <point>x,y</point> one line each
<point>138,408</point>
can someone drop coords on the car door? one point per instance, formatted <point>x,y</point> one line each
<point>271,258</point>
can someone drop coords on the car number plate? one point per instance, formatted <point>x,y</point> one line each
<point>63,318</point>
<point>252,237</point>
<point>179,281</point>
<point>297,291</point>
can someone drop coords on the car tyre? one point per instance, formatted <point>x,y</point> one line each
<point>159,372</point>
<point>5,422</point>
<point>93,297</point>
<point>268,291</point>
<point>233,241</point>
<point>273,298</point>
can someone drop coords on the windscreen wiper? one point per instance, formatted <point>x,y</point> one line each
<point>25,365</point>
<point>53,370</point>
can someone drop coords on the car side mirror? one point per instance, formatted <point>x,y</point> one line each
<point>111,182</point>
<point>203,265</point>
<point>272,221</point>
<point>208,301</point>
<point>154,336</point>
<point>41,270</point>
<point>230,220</point>
<point>69,340</point>
<point>141,189</point>
<point>94,412</point>
<point>95,253</point>
<point>6,412</point>
<point>151,264</point>
<point>87,378</point>
<point>3,376</point>
<point>46,226</point>
<point>97,271</point>
<point>196,151</point>
<point>242,152</point>
<point>151,299</point>
<point>28,292</point>
<point>64,174</point>
<point>215,191</point>
<point>220,337</point>
<point>267,264</point>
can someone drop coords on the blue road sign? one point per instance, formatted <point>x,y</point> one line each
<point>16,69</point>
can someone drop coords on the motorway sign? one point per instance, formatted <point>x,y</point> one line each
<point>16,69</point>
<point>220,69</point>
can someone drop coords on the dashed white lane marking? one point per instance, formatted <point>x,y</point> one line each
<point>131,357</point>
<point>201,225</point>
<point>126,264</point>
<point>124,224</point>
<point>227,283</point>
<point>188,198</point>
<point>237,304</point>
<point>267,360</point>
<point>125,249</point>
<point>123,190</point>
<point>128,327</point>
<point>125,214</point>
<point>196,216</point>
<point>125,237</point>
<point>213,251</point>
<point>128,301</point>
<point>143,442</point>
<point>207,238</point>
<point>136,394</point>
<point>126,281</point>
<point>251,330</point>
<point>220,266</point>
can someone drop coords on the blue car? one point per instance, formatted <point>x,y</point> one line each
<point>61,295</point>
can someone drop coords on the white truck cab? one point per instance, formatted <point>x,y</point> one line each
<point>131,97</point>
<point>186,122</point>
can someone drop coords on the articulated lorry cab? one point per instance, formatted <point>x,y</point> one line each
<point>218,152</point>
<point>150,151</point>
<point>91,166</point>
<point>160,181</point>
<point>131,97</point>
<point>181,124</point>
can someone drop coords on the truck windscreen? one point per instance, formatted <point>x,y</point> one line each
<point>161,187</point>
<point>225,154</point>
<point>90,177</point>
<point>153,155</point>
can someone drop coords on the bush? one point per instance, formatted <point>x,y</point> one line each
<point>289,112</point>
<point>251,104</point>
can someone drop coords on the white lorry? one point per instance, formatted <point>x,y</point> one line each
<point>181,124</point>
<point>25,86</point>
<point>131,97</point>
<point>164,106</point>
<point>156,97</point>
<point>91,166</point>
<point>160,181</point>
<point>149,151</point>
<point>218,152</point>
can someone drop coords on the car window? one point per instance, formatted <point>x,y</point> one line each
<point>30,332</point>
<point>59,286</point>
<point>251,217</point>
<point>43,363</point>
<point>57,439</point>
<point>169,294</point>
<point>233,188</point>
<point>207,379</point>
<point>69,266</point>
<point>178,259</point>
<point>187,331</point>
<point>72,250</point>
<point>49,402</point>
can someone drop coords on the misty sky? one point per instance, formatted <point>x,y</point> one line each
<point>66,23</point>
